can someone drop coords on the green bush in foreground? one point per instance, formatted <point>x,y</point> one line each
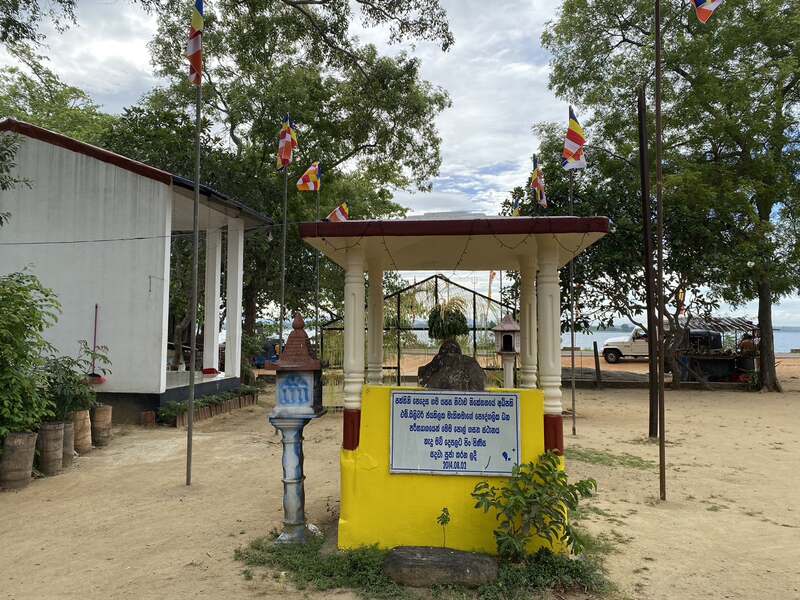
<point>535,501</point>
<point>361,570</point>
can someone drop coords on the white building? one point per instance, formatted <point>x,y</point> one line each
<point>95,227</point>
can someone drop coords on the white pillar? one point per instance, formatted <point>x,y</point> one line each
<point>353,328</point>
<point>375,326</point>
<point>234,275</point>
<point>548,294</point>
<point>212,293</point>
<point>528,322</point>
<point>507,358</point>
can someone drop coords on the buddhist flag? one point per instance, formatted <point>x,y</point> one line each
<point>537,183</point>
<point>194,47</point>
<point>311,180</point>
<point>338,214</point>
<point>492,275</point>
<point>287,142</point>
<point>573,156</point>
<point>705,8</point>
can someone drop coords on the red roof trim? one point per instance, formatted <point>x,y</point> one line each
<point>56,139</point>
<point>509,226</point>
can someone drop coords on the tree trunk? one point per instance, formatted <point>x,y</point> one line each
<point>250,309</point>
<point>766,362</point>
<point>178,334</point>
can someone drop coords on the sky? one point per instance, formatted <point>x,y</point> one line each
<point>496,75</point>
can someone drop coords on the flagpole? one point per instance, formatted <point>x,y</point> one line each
<point>662,478</point>
<point>283,252</point>
<point>193,304</point>
<point>316,270</point>
<point>572,307</point>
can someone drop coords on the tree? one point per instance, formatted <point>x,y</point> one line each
<point>731,134</point>
<point>33,93</point>
<point>20,19</point>
<point>609,276</point>
<point>366,118</point>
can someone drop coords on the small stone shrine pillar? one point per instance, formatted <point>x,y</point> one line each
<point>507,341</point>
<point>298,400</point>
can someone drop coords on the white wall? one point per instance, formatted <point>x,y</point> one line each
<point>75,197</point>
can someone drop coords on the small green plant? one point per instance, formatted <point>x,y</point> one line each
<point>536,501</point>
<point>444,520</point>
<point>447,320</point>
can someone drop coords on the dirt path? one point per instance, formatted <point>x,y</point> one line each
<point>122,525</point>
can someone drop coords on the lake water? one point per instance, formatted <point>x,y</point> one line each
<point>785,340</point>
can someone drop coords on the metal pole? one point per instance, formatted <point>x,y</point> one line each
<point>662,477</point>
<point>474,327</point>
<point>572,310</point>
<point>316,271</point>
<point>283,253</point>
<point>193,301</point>
<point>399,378</point>
<point>652,333</point>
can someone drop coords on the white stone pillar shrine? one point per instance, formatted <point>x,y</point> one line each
<point>353,345</point>
<point>528,351</point>
<point>212,299</point>
<point>375,326</point>
<point>548,307</point>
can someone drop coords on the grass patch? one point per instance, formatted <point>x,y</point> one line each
<point>601,457</point>
<point>361,570</point>
<point>545,571</point>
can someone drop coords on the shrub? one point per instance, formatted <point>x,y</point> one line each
<point>67,385</point>
<point>447,320</point>
<point>26,309</point>
<point>536,501</point>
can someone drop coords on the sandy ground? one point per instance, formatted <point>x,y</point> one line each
<point>122,524</point>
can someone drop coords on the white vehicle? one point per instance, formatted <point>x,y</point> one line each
<point>632,346</point>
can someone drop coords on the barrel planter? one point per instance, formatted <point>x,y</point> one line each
<point>16,463</point>
<point>50,445</point>
<point>101,424</point>
<point>68,447</point>
<point>83,431</point>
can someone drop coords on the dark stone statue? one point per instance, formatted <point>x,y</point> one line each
<point>451,370</point>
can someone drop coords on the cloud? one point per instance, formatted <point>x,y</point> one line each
<point>104,53</point>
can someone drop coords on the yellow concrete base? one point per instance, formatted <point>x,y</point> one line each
<point>378,507</point>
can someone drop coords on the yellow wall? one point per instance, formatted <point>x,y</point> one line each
<point>390,510</point>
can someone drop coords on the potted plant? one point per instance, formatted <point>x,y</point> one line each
<point>26,310</point>
<point>447,321</point>
<point>95,360</point>
<point>449,369</point>
<point>69,392</point>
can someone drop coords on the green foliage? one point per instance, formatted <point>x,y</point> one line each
<point>545,571</point>
<point>360,569</point>
<point>169,412</point>
<point>68,388</point>
<point>731,139</point>
<point>20,19</point>
<point>536,501</point>
<point>26,309</point>
<point>35,94</point>
<point>444,520</point>
<point>447,320</point>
